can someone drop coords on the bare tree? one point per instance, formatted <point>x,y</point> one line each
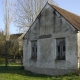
<point>8,16</point>
<point>27,10</point>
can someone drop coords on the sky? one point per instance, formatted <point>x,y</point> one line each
<point>69,5</point>
<point>13,29</point>
<point>1,16</point>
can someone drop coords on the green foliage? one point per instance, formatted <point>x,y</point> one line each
<point>2,43</point>
<point>13,48</point>
<point>17,73</point>
<point>2,60</point>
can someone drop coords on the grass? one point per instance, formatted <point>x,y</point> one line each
<point>17,73</point>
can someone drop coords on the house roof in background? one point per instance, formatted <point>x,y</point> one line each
<point>15,36</point>
<point>70,17</point>
<point>22,35</point>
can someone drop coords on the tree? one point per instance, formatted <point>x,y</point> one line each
<point>2,42</point>
<point>8,16</point>
<point>13,48</point>
<point>27,10</point>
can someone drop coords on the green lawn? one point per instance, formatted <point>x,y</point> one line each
<point>17,73</point>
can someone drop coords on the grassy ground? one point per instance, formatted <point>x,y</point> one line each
<point>17,73</point>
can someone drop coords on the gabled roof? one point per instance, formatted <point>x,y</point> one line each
<point>73,19</point>
<point>15,36</point>
<point>70,17</point>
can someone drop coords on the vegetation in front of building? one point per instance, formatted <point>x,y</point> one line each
<point>17,73</point>
<point>2,60</point>
<point>14,53</point>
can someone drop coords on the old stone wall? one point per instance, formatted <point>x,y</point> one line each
<point>46,29</point>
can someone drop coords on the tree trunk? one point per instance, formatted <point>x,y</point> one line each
<point>14,57</point>
<point>6,52</point>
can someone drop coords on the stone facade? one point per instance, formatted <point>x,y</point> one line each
<point>45,30</point>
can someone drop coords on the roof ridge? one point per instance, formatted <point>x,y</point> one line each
<point>63,9</point>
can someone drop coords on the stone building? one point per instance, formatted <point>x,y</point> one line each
<point>52,43</point>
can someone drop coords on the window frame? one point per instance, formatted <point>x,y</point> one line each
<point>62,49</point>
<point>33,54</point>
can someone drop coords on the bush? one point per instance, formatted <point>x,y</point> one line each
<point>2,60</point>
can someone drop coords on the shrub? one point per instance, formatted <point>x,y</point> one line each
<point>2,60</point>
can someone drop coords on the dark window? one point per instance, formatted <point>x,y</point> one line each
<point>63,48</point>
<point>60,49</point>
<point>34,50</point>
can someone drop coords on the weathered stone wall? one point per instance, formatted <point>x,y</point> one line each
<point>50,23</point>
